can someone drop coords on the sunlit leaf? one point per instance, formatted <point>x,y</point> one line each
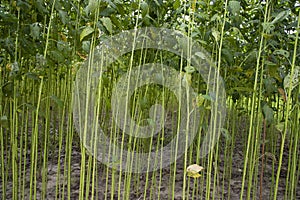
<point>113,3</point>
<point>216,34</point>
<point>234,7</point>
<point>282,52</point>
<point>267,36</point>
<point>269,63</point>
<point>268,27</point>
<point>91,7</point>
<point>187,79</point>
<point>294,82</point>
<point>144,8</point>
<point>86,45</point>
<point>280,127</point>
<point>281,16</point>
<point>207,97</point>
<point>85,32</point>
<point>35,31</point>
<point>189,69</point>
<point>176,4</point>
<point>201,98</point>
<point>63,16</point>
<point>208,107</point>
<point>200,55</point>
<point>107,24</point>
<point>215,17</point>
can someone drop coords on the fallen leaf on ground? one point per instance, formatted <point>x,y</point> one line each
<point>194,171</point>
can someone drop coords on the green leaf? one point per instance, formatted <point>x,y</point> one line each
<point>207,97</point>
<point>226,134</point>
<point>40,6</point>
<point>268,27</point>
<point>216,34</point>
<point>200,55</point>
<point>35,31</point>
<point>56,56</point>
<point>85,32</point>
<point>235,31</point>
<point>228,56</point>
<point>273,72</point>
<point>281,16</point>
<point>234,7</point>
<point>107,12</point>
<point>91,7</point>
<point>176,4</point>
<point>7,17</point>
<point>280,127</point>
<point>270,85</point>
<point>282,52</point>
<point>295,79</point>
<point>159,78</point>
<point>63,16</point>
<point>15,67</point>
<point>61,45</point>
<point>201,98</point>
<point>243,89</point>
<point>187,78</point>
<point>269,63</point>
<point>107,24</point>
<point>30,107</point>
<point>32,76</point>
<point>189,69</point>
<point>8,89</point>
<point>215,17</point>
<point>86,46</point>
<point>24,6</point>
<point>113,3</point>
<point>268,114</point>
<point>144,8</point>
<point>4,121</point>
<point>57,100</point>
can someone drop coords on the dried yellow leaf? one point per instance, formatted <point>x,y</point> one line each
<point>193,170</point>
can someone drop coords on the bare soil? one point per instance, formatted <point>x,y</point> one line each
<point>159,185</point>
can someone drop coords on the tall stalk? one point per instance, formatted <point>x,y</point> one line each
<point>253,103</point>
<point>287,108</point>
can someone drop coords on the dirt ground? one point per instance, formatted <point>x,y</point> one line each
<point>229,186</point>
<point>233,184</point>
